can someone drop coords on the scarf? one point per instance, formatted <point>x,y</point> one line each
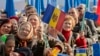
<point>23,41</point>
<point>66,34</point>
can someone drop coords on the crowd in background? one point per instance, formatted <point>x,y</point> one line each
<point>26,35</point>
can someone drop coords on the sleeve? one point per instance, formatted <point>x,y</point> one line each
<point>38,49</point>
<point>92,27</point>
<point>1,48</point>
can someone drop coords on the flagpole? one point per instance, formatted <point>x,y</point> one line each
<point>83,19</point>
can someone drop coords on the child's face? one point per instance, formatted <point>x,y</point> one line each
<point>9,46</point>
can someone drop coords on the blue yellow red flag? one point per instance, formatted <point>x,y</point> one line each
<point>54,17</point>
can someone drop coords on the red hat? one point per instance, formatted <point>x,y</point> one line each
<point>14,17</point>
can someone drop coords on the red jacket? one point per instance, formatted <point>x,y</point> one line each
<point>81,42</point>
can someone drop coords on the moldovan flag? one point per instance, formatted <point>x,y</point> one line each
<point>81,52</point>
<point>54,17</point>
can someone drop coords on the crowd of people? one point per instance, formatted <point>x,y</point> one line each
<point>26,35</point>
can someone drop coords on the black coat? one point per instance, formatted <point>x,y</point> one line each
<point>37,48</point>
<point>2,50</point>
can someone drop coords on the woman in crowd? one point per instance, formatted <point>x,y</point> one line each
<point>25,38</point>
<point>7,49</point>
<point>67,28</point>
<point>35,21</point>
<point>30,10</point>
<point>57,39</point>
<point>5,28</point>
<point>14,21</point>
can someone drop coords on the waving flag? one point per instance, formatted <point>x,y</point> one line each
<point>98,12</point>
<point>75,3</point>
<point>67,5</point>
<point>94,2</point>
<point>38,6</point>
<point>92,16</point>
<point>96,49</point>
<point>10,8</point>
<point>54,17</point>
<point>81,52</point>
<point>32,2</point>
<point>42,5</point>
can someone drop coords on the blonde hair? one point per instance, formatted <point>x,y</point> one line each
<point>31,29</point>
<point>68,17</point>
<point>28,18</point>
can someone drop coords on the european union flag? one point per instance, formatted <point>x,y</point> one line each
<point>96,49</point>
<point>92,16</point>
<point>10,8</point>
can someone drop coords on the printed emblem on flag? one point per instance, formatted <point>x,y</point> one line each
<point>54,17</point>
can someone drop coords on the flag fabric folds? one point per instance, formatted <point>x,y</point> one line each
<point>67,5</point>
<point>81,52</point>
<point>96,49</point>
<point>94,2</point>
<point>10,8</point>
<point>32,2</point>
<point>92,16</point>
<point>38,6</point>
<point>98,12</point>
<point>42,6</point>
<point>55,17</point>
